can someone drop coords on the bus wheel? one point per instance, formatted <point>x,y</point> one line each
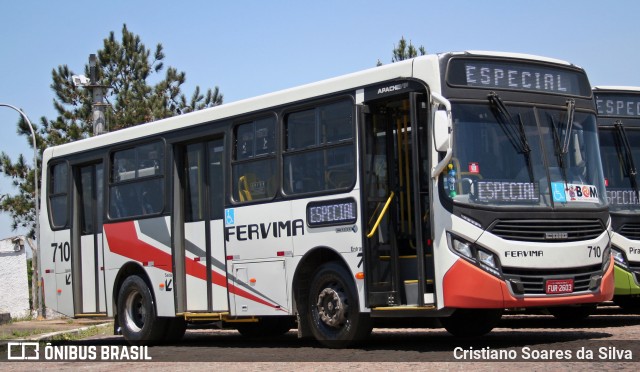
<point>334,312</point>
<point>629,303</point>
<point>572,313</point>
<point>268,326</point>
<point>471,322</point>
<point>137,313</point>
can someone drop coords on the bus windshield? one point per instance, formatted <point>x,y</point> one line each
<point>516,156</point>
<point>619,163</point>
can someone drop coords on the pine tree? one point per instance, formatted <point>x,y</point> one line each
<point>126,67</point>
<point>405,51</point>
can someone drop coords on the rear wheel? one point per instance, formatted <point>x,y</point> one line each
<point>334,311</point>
<point>137,315</point>
<point>471,322</point>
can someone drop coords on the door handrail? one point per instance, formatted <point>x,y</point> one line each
<point>382,213</point>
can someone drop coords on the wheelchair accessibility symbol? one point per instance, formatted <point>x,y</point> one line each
<point>559,194</point>
<point>229,216</point>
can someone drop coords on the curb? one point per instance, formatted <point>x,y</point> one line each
<point>50,336</point>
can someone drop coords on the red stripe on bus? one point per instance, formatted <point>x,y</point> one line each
<point>123,240</point>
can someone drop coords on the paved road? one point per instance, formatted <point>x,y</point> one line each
<point>604,341</point>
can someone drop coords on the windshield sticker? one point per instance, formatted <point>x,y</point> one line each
<point>486,191</point>
<point>574,193</point>
<point>474,168</point>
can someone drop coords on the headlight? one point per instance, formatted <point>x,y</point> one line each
<point>462,248</point>
<point>606,259</point>
<point>619,258</point>
<point>487,259</point>
<point>488,262</point>
<point>480,257</point>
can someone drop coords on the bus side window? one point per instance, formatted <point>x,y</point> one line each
<point>254,165</point>
<point>137,181</point>
<point>58,195</point>
<point>319,149</point>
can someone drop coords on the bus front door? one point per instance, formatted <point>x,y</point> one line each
<point>200,244</point>
<point>396,253</point>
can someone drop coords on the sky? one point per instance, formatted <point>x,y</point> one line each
<point>248,48</point>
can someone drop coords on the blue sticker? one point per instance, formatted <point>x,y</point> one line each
<point>230,216</point>
<point>559,194</point>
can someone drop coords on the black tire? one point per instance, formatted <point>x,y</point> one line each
<point>333,308</point>
<point>471,322</point>
<point>572,313</point>
<point>630,303</point>
<point>175,329</point>
<point>268,326</point>
<point>137,314</point>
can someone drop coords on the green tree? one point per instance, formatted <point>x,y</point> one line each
<point>137,93</point>
<point>405,51</point>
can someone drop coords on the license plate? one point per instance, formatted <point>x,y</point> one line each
<point>556,286</point>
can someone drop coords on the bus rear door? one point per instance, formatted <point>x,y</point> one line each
<point>200,244</point>
<point>86,240</point>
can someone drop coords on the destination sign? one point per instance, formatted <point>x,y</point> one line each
<point>624,105</point>
<point>622,197</point>
<point>487,191</point>
<point>519,76</point>
<point>332,212</point>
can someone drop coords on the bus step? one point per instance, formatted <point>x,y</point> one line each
<point>411,292</point>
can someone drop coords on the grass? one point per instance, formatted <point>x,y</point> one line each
<point>89,332</point>
<point>22,334</point>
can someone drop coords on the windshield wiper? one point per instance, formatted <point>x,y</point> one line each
<point>628,157</point>
<point>571,109</point>
<point>515,131</point>
<point>562,149</point>
<point>559,150</point>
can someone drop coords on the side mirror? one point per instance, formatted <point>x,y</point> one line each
<point>441,131</point>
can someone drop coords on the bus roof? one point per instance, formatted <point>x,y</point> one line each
<point>402,69</point>
<point>617,88</point>
<point>484,53</point>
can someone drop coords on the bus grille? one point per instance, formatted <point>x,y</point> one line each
<point>550,231</point>
<point>630,231</point>
<point>533,280</point>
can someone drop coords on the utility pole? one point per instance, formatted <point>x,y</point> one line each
<point>98,91</point>
<point>36,268</point>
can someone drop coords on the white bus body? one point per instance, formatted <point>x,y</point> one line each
<point>408,190</point>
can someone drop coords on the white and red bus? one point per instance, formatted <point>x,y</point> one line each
<point>450,186</point>
<point>619,129</point>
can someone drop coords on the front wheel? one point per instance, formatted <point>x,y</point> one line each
<point>471,322</point>
<point>137,315</point>
<point>334,311</point>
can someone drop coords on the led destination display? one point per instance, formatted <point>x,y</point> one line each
<point>505,192</point>
<point>618,105</point>
<point>332,212</point>
<point>622,197</point>
<point>517,76</point>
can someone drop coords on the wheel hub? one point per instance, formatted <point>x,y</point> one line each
<point>135,312</point>
<point>332,307</point>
